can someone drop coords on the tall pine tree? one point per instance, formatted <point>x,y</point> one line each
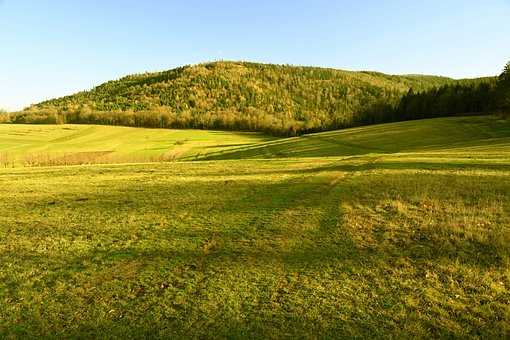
<point>504,89</point>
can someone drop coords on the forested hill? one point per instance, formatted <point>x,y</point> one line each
<point>239,96</point>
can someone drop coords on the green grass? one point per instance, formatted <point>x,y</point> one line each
<point>109,144</point>
<point>398,244</point>
<point>466,135</point>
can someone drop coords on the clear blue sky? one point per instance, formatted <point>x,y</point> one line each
<point>56,47</point>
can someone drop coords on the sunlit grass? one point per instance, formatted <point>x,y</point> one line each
<point>82,144</point>
<point>456,134</point>
<point>403,245</point>
<point>338,247</point>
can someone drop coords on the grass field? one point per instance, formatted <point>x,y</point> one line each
<point>303,240</point>
<point>469,136</point>
<point>72,144</point>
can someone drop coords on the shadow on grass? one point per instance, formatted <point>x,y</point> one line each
<point>254,211</point>
<point>356,163</point>
<point>245,234</point>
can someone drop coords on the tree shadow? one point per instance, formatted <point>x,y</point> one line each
<point>262,244</point>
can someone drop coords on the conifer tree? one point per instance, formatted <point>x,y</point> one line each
<point>504,89</point>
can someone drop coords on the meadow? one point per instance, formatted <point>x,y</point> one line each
<point>395,230</point>
<point>40,145</point>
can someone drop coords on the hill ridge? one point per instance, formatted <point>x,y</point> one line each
<point>237,95</point>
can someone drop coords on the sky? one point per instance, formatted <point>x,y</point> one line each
<point>51,48</point>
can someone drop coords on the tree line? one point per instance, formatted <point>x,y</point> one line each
<point>490,95</point>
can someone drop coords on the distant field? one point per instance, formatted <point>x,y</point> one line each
<point>82,144</point>
<point>110,144</point>
<point>354,233</point>
<point>483,135</point>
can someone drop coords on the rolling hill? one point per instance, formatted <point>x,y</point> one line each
<point>277,99</point>
<point>456,135</point>
<point>239,86</point>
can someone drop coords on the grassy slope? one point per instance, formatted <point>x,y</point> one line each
<point>467,135</point>
<point>120,144</point>
<point>460,135</point>
<point>412,244</point>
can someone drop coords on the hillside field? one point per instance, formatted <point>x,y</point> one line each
<point>397,230</point>
<point>82,144</point>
